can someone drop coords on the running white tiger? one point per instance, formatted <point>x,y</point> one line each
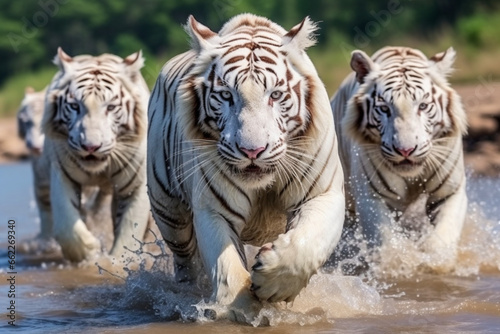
<point>29,123</point>
<point>95,124</point>
<point>400,126</point>
<point>241,149</point>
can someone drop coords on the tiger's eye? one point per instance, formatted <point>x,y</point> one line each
<point>276,95</point>
<point>384,109</point>
<point>226,95</point>
<point>422,106</point>
<point>111,107</point>
<point>75,106</point>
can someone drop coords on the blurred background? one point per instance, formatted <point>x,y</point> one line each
<point>32,30</point>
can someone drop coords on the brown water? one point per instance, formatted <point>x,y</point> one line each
<point>56,297</point>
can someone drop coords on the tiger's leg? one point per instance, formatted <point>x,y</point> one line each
<point>96,212</point>
<point>224,259</point>
<point>284,266</point>
<point>42,196</point>
<point>372,214</point>
<point>131,216</point>
<point>176,226</point>
<point>77,243</point>
<point>446,235</point>
<point>44,241</point>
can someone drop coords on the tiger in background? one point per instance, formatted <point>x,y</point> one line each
<point>400,126</point>
<point>29,125</point>
<point>29,120</point>
<point>241,150</point>
<point>95,126</point>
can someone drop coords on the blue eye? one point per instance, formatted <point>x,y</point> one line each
<point>422,106</point>
<point>226,95</point>
<point>276,95</point>
<point>384,109</point>
<point>75,106</point>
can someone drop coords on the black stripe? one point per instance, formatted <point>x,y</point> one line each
<point>236,240</point>
<point>132,178</point>
<point>320,174</point>
<point>75,202</point>
<point>163,186</point>
<point>381,178</point>
<point>443,182</point>
<point>235,186</point>
<point>183,249</point>
<point>219,197</point>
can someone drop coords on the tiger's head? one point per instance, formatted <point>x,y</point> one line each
<point>250,92</point>
<point>96,105</point>
<point>404,107</point>
<point>29,120</point>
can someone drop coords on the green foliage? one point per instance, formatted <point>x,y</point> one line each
<point>481,30</point>
<point>32,30</point>
<point>13,89</point>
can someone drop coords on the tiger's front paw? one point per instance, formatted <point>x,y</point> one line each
<point>276,275</point>
<point>442,255</point>
<point>79,244</point>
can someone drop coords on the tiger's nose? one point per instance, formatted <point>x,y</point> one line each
<point>405,152</point>
<point>91,148</point>
<point>252,153</point>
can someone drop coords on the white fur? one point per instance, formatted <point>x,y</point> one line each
<point>440,177</point>
<point>120,174</point>
<point>200,183</point>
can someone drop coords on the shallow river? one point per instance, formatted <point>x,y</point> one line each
<point>52,296</point>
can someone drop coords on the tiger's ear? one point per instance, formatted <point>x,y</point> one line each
<point>202,38</point>
<point>133,64</point>
<point>302,35</point>
<point>29,90</point>
<point>62,60</point>
<point>443,62</point>
<point>361,64</point>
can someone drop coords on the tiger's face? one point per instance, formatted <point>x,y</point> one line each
<point>402,109</point>
<point>29,120</point>
<point>94,112</point>
<point>94,122</point>
<point>253,104</point>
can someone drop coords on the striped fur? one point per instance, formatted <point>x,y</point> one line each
<point>95,126</point>
<point>240,151</point>
<point>401,127</point>
<point>29,121</point>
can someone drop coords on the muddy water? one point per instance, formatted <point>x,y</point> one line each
<point>53,296</point>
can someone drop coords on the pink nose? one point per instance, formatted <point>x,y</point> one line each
<point>405,152</point>
<point>252,153</point>
<point>91,148</point>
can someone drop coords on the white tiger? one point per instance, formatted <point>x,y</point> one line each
<point>400,126</point>
<point>95,124</point>
<point>29,120</point>
<point>29,124</point>
<point>241,149</point>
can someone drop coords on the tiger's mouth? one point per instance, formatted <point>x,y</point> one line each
<point>254,169</point>
<point>252,172</point>
<point>408,162</point>
<point>407,165</point>
<point>93,159</point>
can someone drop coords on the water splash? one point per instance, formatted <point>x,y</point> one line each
<point>151,286</point>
